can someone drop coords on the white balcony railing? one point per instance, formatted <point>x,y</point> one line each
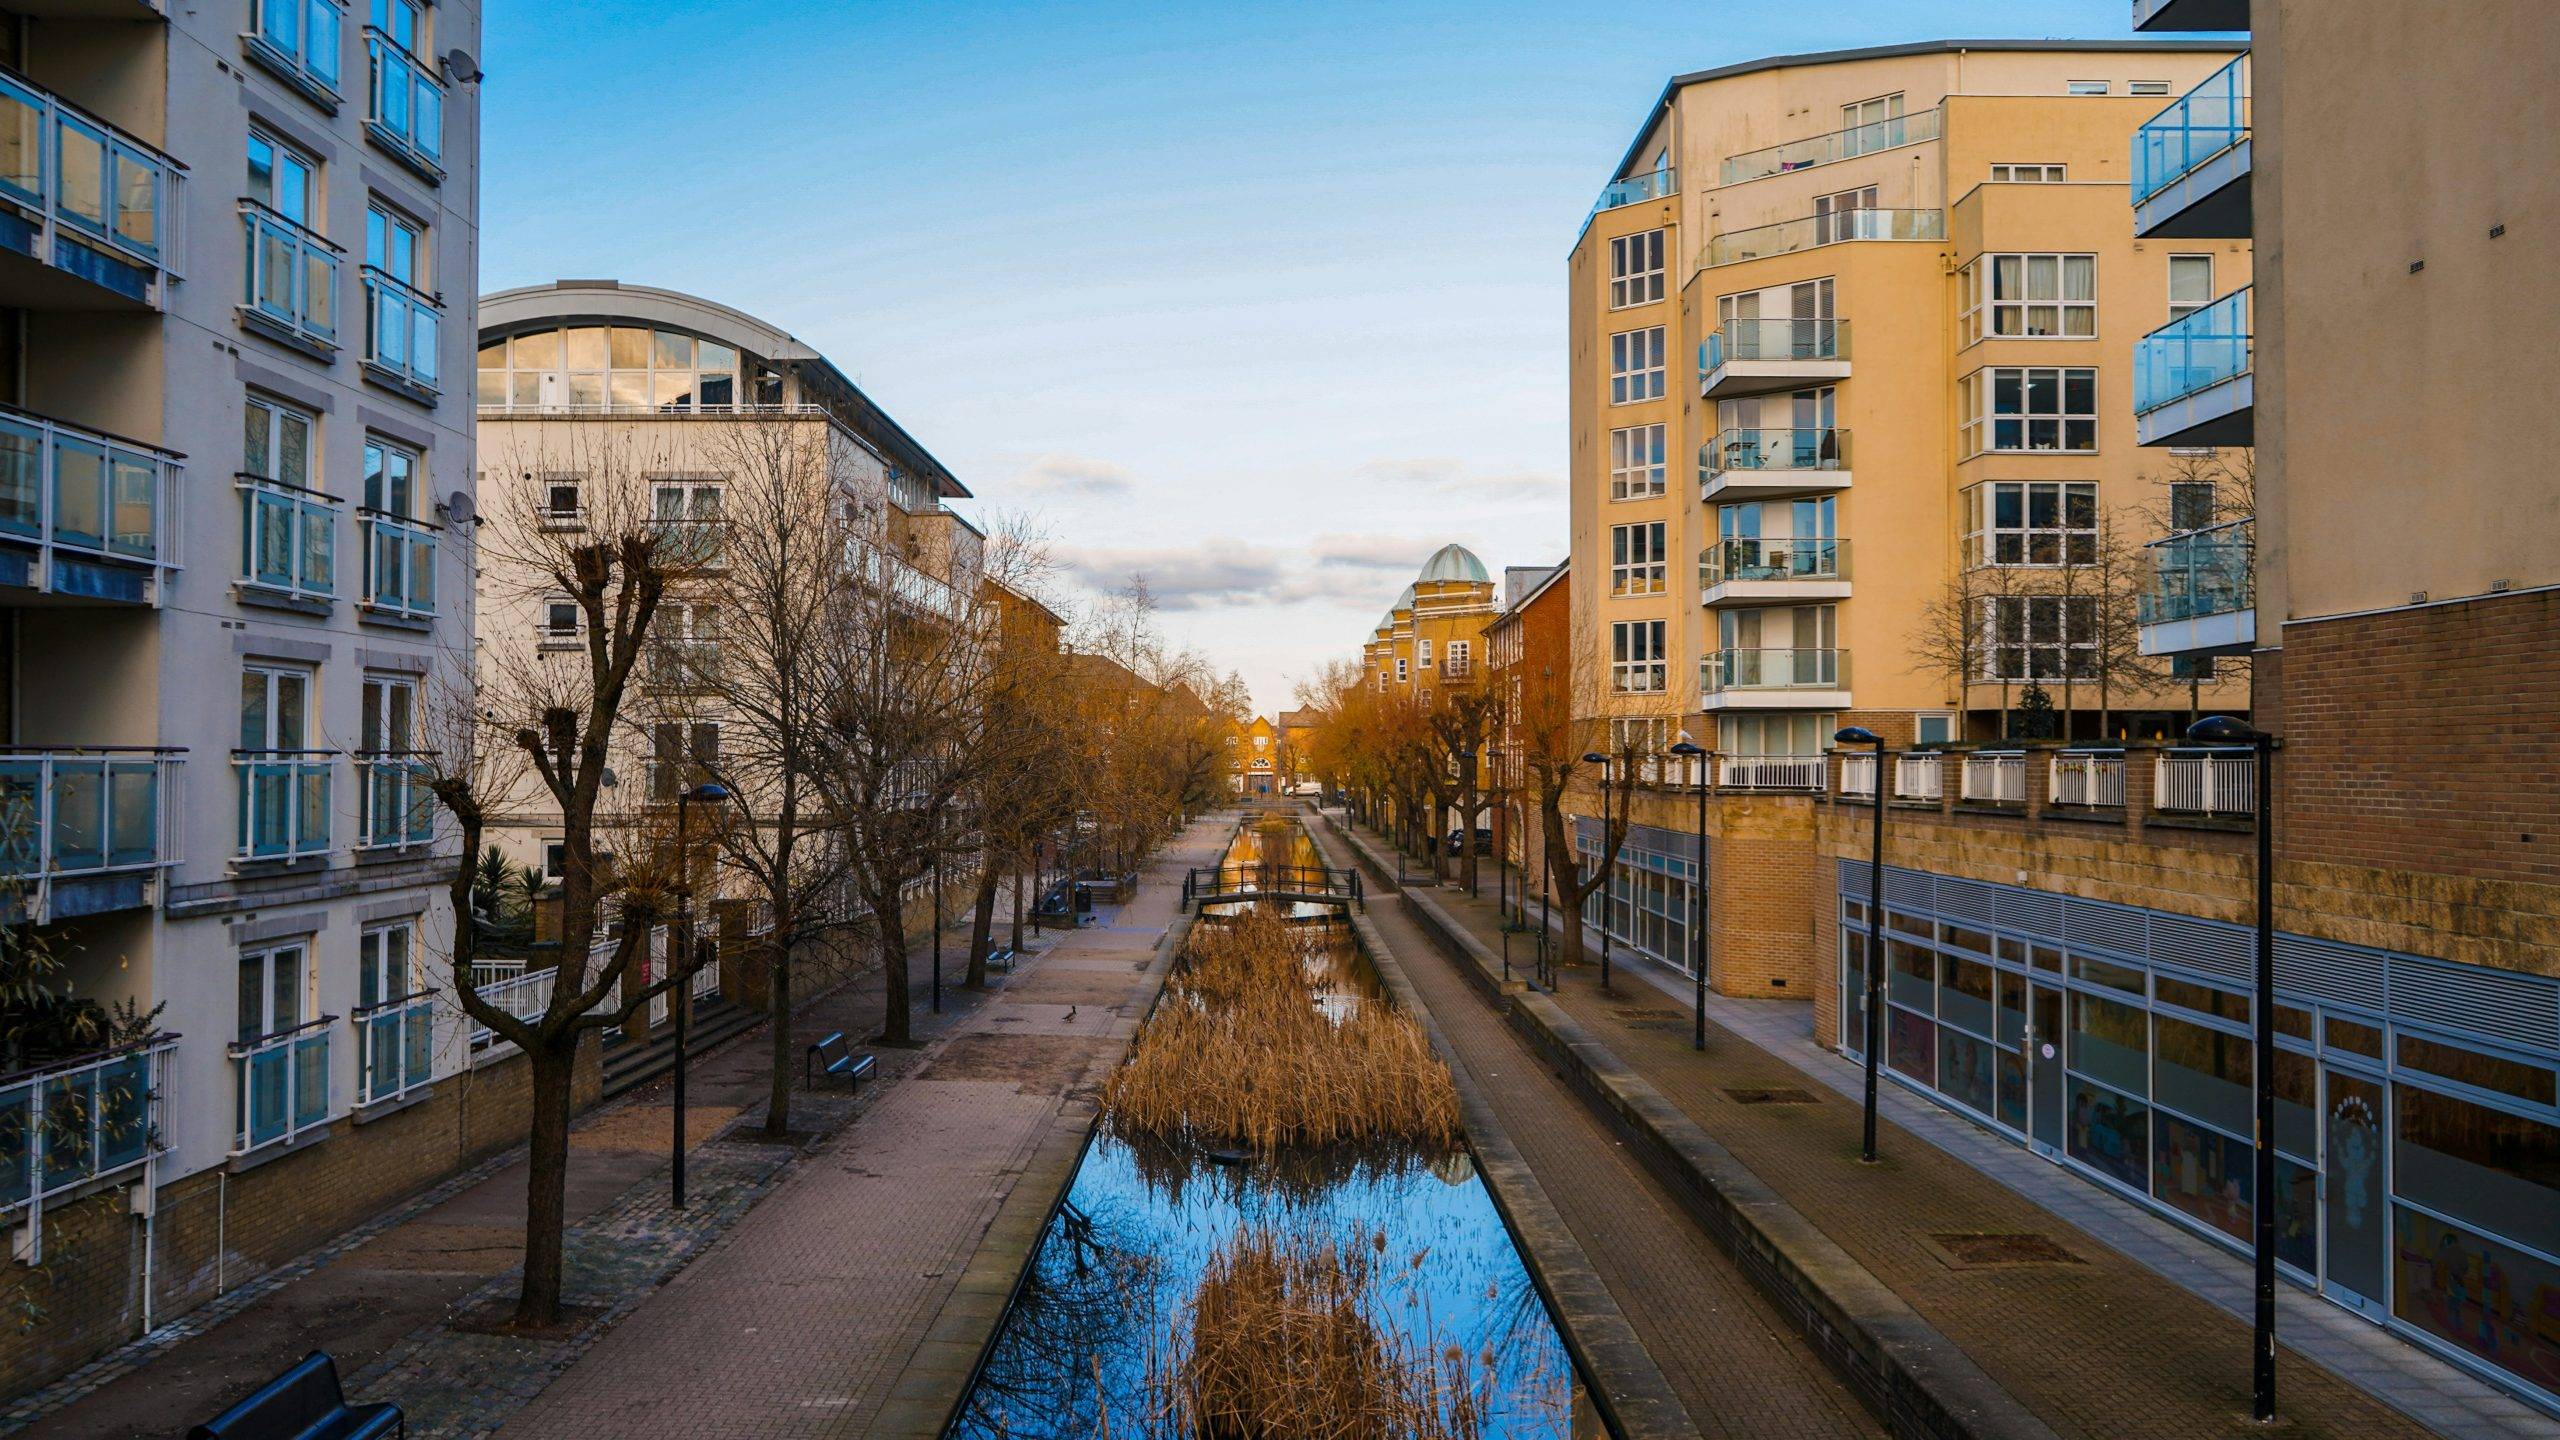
<point>1921,777</point>
<point>65,1124</point>
<point>284,1085</point>
<point>1858,775</point>
<point>395,1047</point>
<point>525,995</point>
<point>404,106</point>
<point>401,325</point>
<point>284,802</point>
<point>67,815</point>
<point>399,564</point>
<point>78,497</point>
<point>394,807</point>
<point>2092,780</point>
<point>1995,777</point>
<point>1771,772</point>
<point>84,197</point>
<point>2216,783</point>
<point>291,279</point>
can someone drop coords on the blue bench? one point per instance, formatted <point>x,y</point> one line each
<point>831,1057</point>
<point>303,1403</point>
<point>1000,958</point>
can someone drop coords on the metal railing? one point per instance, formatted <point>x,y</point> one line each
<point>1921,776</point>
<point>1771,772</point>
<point>67,1123</point>
<point>1780,449</point>
<point>501,411</point>
<point>288,537</point>
<point>1314,883</point>
<point>399,563</point>
<point>395,1047</point>
<point>525,995</point>
<point>1740,669</point>
<point>892,575</point>
<point>401,324</point>
<point>2201,572</point>
<point>1816,557</point>
<point>2094,779</point>
<point>2217,783</point>
<point>2195,352</point>
<point>76,812</point>
<point>2201,124</point>
<point>404,105</point>
<point>284,802</point>
<point>82,180</point>
<point>291,277</point>
<point>1807,232</point>
<point>1845,144</point>
<point>1773,340</point>
<point>284,1084</point>
<point>1858,774</point>
<point>70,491</point>
<point>1994,777</point>
<point>394,806</point>
<point>1636,189</point>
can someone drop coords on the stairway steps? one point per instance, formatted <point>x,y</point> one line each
<point>628,1065</point>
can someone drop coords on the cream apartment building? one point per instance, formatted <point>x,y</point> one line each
<point>237,257</point>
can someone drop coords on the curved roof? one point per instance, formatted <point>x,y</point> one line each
<point>1452,562</point>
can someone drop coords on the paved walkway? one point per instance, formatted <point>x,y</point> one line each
<point>800,1319</point>
<point>2142,1333</point>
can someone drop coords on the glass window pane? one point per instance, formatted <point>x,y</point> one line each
<point>629,348</point>
<point>586,347</point>
<point>538,351</point>
<point>670,350</point>
<point>2483,1167</point>
<point>2109,1042</point>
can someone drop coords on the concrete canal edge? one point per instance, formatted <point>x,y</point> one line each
<point>1916,1379</point>
<point>926,1397</point>
<point>1626,1386</point>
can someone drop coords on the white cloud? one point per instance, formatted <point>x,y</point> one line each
<point>1074,475</point>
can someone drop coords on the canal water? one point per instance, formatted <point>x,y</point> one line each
<point>1085,1346</point>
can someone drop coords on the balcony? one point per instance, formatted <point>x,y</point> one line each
<point>2204,592</point>
<point>1636,189</point>
<point>400,329</point>
<point>1770,464</point>
<point>2087,780</point>
<point>1789,773</point>
<point>289,544</point>
<point>395,1047</point>
<point>404,106</point>
<point>1744,679</point>
<point>2214,784</point>
<point>284,1085</point>
<point>283,803</point>
<point>2194,380</point>
<point>69,1123</point>
<point>524,994</point>
<point>1812,231</point>
<point>892,577</point>
<point>2161,17</point>
<point>85,831</point>
<point>291,282</point>
<point>84,515</point>
<point>1995,778</point>
<point>1920,779</point>
<point>395,809</point>
<point>2191,163</point>
<point>1846,144</point>
<point>1755,357</point>
<point>297,41</point>
<point>1782,569</point>
<point>399,565</point>
<point>86,211</point>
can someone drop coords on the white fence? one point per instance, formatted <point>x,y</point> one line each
<point>1994,777</point>
<point>2206,782</point>
<point>1771,772</point>
<point>2090,780</point>
<point>523,995</point>
<point>1919,777</point>
<point>1858,775</point>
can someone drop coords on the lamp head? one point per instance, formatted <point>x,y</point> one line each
<point>1856,735</point>
<point>707,793</point>
<point>1686,750</point>
<point>1594,757</point>
<point>2223,730</point>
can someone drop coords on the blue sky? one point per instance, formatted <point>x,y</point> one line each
<point>1262,301</point>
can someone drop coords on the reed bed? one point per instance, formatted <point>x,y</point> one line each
<point>1241,1054</point>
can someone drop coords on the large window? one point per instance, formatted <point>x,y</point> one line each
<point>2028,408</point>
<point>399,552</point>
<point>287,540</point>
<point>2031,522</point>
<point>1774,734</point>
<point>404,103</point>
<point>291,276</point>
<point>1635,269</point>
<point>284,785</point>
<point>1637,462</point>
<point>2039,637</point>
<point>680,753</point>
<point>685,514</point>
<point>280,1057</point>
<point>393,804</point>
<point>592,367</point>
<point>2190,284</point>
<point>400,329</point>
<point>301,37</point>
<point>1636,365</point>
<point>1636,559</point>
<point>1637,657</point>
<point>2043,297</point>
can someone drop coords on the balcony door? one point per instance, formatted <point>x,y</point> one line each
<point>1809,306</point>
<point>1835,216</point>
<point>1814,414</point>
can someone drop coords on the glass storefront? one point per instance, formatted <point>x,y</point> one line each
<point>2418,1171</point>
<point>1646,905</point>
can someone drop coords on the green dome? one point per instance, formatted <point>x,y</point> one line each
<point>1453,562</point>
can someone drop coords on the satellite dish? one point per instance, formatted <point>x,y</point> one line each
<point>460,68</point>
<point>458,505</point>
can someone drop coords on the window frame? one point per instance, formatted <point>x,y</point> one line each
<point>1638,365</point>
<point>2032,640</point>
<point>1639,657</point>
<point>1638,562</point>
<point>1986,539</point>
<point>1983,420</point>
<point>2047,172</point>
<point>1636,269</point>
<point>1985,307</point>
<point>2180,309</point>
<point>1654,468</point>
<point>2089,88</point>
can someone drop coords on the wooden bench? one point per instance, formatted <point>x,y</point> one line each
<point>303,1403</point>
<point>1000,958</point>
<point>831,1057</point>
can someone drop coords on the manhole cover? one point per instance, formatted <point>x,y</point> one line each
<point>1984,1250</point>
<point>1786,1095</point>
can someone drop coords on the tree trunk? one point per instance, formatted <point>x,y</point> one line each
<point>897,1021</point>
<point>777,1104</point>
<point>982,926</point>
<point>1018,878</point>
<point>546,1185</point>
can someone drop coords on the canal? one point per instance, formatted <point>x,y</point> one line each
<point>1436,1328</point>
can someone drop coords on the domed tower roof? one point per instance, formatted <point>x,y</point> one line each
<point>1403,601</point>
<point>1453,563</point>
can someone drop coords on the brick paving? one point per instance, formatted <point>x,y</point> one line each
<point>2099,1346</point>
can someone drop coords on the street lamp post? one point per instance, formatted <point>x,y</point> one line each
<point>937,930</point>
<point>709,794</point>
<point>1698,895</point>
<point>1858,735</point>
<point>2224,730</point>
<point>1594,757</point>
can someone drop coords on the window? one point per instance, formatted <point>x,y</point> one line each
<point>1636,559</point>
<point>1461,657</point>
<point>2190,667</point>
<point>2039,637</point>
<point>2191,504</point>
<point>1938,729</point>
<point>2146,87</point>
<point>1865,125</point>
<point>555,859</point>
<point>2027,174</point>
<point>1637,657</point>
<point>623,367</point>
<point>1422,652</point>
<point>1401,673</point>
<point>2031,522</point>
<point>390,478</point>
<point>564,501</point>
<point>282,1066</point>
<point>274,990</point>
<point>686,517</point>
<point>1639,735</point>
<point>284,786</point>
<point>292,273</point>
<point>1636,462</point>
<point>280,178</point>
<point>400,316</point>
<point>1635,269</point>
<point>286,527</point>
<point>2031,296</point>
<point>394,806</point>
<point>2190,284</point>
<point>2089,87</point>
<point>399,552</point>
<point>684,644</point>
<point>275,710</point>
<point>2013,407</point>
<point>561,619</point>
<point>1635,366</point>
<point>1775,734</point>
<point>679,750</point>
<point>300,37</point>
<point>395,1029</point>
<point>1833,217</point>
<point>404,106</point>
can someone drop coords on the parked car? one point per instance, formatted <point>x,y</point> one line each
<point>1455,842</point>
<point>1305,788</point>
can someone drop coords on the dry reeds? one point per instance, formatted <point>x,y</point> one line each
<point>1240,1053</point>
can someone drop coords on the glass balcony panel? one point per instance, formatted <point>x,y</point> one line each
<point>21,142</point>
<point>406,104</point>
<point>80,492</point>
<point>79,815</point>
<point>21,819</point>
<point>1838,145</point>
<point>1809,231</point>
<point>1777,559</point>
<point>400,329</point>
<point>263,1077</point>
<point>21,477</point>
<point>400,565</point>
<point>70,1120</point>
<point>284,804</point>
<point>293,273</point>
<point>311,1079</point>
<point>1781,339</point>
<point>1636,189</point>
<point>2194,352</point>
<point>382,1055</point>
<point>2203,123</point>
<point>137,191</point>
<point>17,1149</point>
<point>2201,573</point>
<point>124,1111</point>
<point>133,812</point>
<point>1805,449</point>
<point>80,175</point>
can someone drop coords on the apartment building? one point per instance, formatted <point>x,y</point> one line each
<point>237,259</point>
<point>1526,650</point>
<point>1432,638</point>
<point>1253,750</point>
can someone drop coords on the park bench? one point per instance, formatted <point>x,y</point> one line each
<point>1000,958</point>
<point>831,1057</point>
<point>303,1403</point>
